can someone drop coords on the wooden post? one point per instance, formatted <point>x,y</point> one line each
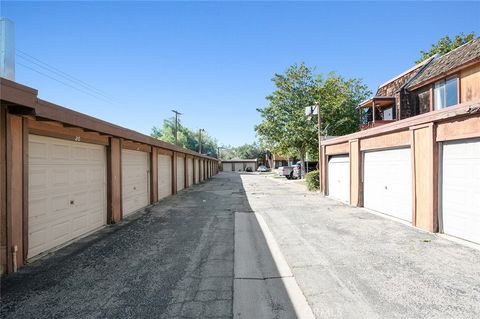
<point>424,177</point>
<point>185,172</point>
<point>154,175</point>
<point>373,114</point>
<point>114,181</point>
<point>194,170</point>
<point>174,173</point>
<point>355,173</point>
<point>3,195</point>
<point>14,191</point>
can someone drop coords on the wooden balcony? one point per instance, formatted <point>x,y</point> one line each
<point>374,124</point>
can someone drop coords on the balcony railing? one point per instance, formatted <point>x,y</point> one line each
<point>374,124</point>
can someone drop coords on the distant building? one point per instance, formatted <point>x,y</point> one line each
<point>239,165</point>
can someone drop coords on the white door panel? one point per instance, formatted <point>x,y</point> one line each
<point>164,176</point>
<point>388,182</point>
<point>227,167</point>
<point>180,173</point>
<point>197,171</point>
<point>134,181</point>
<point>67,191</point>
<point>460,189</point>
<point>238,167</point>
<point>339,177</point>
<point>190,171</point>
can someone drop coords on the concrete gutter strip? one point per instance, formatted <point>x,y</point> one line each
<point>264,286</point>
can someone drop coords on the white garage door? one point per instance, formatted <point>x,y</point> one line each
<point>190,171</point>
<point>197,171</point>
<point>66,191</point>
<point>134,181</point>
<point>388,182</point>
<point>238,167</point>
<point>460,182</point>
<point>227,167</point>
<point>339,177</point>
<point>164,176</point>
<point>180,173</point>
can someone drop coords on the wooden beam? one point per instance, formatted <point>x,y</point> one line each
<point>153,176</point>
<point>185,172</point>
<point>25,187</point>
<point>3,195</point>
<point>174,173</point>
<point>114,181</point>
<point>52,130</point>
<point>14,191</point>
<point>446,114</point>
<point>194,170</point>
<point>134,146</point>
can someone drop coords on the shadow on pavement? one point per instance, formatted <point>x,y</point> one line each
<point>174,259</point>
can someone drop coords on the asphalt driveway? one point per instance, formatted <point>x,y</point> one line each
<point>351,263</point>
<point>173,260</point>
<point>181,258</point>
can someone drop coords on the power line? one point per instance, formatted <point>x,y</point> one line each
<point>31,59</point>
<point>64,83</point>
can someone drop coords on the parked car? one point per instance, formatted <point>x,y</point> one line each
<point>263,168</point>
<point>287,171</point>
<point>309,166</point>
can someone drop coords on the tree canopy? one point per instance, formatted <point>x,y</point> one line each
<point>286,130</point>
<point>445,45</point>
<point>245,151</point>
<point>186,137</point>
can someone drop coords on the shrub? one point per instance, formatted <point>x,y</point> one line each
<point>312,181</point>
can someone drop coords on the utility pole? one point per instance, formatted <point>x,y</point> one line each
<point>200,140</point>
<point>176,124</point>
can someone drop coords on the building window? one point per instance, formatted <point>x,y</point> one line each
<point>445,93</point>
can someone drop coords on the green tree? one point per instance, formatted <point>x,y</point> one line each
<point>250,151</point>
<point>245,151</point>
<point>186,137</point>
<point>445,45</point>
<point>286,130</point>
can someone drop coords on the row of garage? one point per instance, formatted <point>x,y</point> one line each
<point>428,176</point>
<point>65,175</point>
<point>245,165</point>
<point>67,188</point>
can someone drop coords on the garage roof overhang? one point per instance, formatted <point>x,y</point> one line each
<point>240,161</point>
<point>378,101</point>
<point>23,100</point>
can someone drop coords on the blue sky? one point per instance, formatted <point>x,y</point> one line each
<point>213,61</point>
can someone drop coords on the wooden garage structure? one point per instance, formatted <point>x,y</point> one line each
<point>65,174</point>
<point>424,170</point>
<point>239,165</point>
